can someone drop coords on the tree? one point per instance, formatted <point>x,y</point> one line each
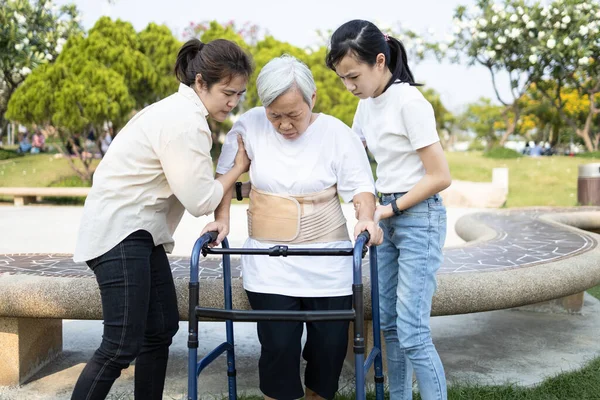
<point>444,119</point>
<point>101,78</point>
<point>485,119</point>
<point>491,35</point>
<point>551,46</point>
<point>568,61</point>
<point>31,34</point>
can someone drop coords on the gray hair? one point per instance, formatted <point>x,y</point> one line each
<point>282,74</point>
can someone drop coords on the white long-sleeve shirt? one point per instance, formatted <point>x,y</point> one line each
<point>156,167</point>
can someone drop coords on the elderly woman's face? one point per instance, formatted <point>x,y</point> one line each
<point>289,114</point>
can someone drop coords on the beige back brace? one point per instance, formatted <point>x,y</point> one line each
<point>311,218</point>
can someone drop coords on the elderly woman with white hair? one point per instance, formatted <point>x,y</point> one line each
<point>300,162</point>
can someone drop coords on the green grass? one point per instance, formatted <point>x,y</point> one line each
<point>8,154</point>
<point>40,170</point>
<point>540,181</point>
<point>593,154</point>
<point>501,153</point>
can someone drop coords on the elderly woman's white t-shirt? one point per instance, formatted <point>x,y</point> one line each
<point>327,154</point>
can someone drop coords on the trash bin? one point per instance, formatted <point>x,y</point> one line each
<point>588,185</point>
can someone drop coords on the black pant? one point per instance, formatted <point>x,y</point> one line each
<point>139,305</point>
<point>324,352</point>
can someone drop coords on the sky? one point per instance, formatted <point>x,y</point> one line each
<point>297,22</point>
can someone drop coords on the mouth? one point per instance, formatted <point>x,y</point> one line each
<point>289,135</point>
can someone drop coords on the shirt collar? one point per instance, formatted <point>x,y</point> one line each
<point>191,95</point>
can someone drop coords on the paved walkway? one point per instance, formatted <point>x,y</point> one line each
<point>493,347</point>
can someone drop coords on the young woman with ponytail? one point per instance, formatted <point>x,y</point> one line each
<point>398,125</point>
<point>158,166</point>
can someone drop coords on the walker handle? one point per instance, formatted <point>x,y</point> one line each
<point>366,235</point>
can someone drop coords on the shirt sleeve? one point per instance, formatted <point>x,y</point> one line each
<point>188,166</point>
<point>230,147</point>
<point>356,125</point>
<point>353,169</point>
<point>419,123</point>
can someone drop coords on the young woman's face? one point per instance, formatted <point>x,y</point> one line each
<point>222,97</point>
<point>362,79</point>
<point>289,114</point>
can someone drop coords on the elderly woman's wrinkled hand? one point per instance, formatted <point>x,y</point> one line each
<point>217,226</point>
<point>374,231</point>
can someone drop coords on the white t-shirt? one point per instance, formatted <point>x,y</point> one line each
<point>395,125</point>
<point>158,165</point>
<point>328,153</point>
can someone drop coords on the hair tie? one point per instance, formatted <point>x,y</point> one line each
<point>386,37</point>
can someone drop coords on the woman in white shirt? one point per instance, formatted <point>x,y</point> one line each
<point>301,161</point>
<point>398,126</point>
<point>158,166</point>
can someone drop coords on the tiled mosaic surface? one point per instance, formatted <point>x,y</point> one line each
<point>522,240</point>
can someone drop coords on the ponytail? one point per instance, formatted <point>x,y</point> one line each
<point>398,64</point>
<point>188,52</point>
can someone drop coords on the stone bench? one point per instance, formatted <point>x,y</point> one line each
<point>514,258</point>
<point>26,195</point>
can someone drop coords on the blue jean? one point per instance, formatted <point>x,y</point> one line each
<point>139,306</point>
<point>408,259</point>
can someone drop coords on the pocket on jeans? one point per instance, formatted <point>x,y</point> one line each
<point>93,263</point>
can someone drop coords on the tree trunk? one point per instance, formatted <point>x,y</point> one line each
<point>584,132</point>
<point>510,127</point>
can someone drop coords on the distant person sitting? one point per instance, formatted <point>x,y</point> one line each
<point>536,150</point>
<point>38,142</point>
<point>24,144</point>
<point>73,145</point>
<point>106,141</point>
<point>527,150</point>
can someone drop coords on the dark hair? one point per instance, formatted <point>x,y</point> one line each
<point>364,40</point>
<point>214,60</point>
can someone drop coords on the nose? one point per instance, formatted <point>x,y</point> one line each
<point>285,125</point>
<point>349,85</point>
<point>233,102</point>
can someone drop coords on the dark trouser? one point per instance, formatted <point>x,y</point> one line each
<point>139,306</point>
<point>324,352</point>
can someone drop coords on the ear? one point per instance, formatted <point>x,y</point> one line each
<point>313,100</point>
<point>380,61</point>
<point>199,83</point>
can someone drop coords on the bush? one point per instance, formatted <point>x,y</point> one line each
<point>501,153</point>
<point>591,154</point>
<point>8,154</point>
<point>476,145</point>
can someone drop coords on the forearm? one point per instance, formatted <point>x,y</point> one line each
<point>228,180</point>
<point>364,203</point>
<point>425,188</point>
<point>222,211</point>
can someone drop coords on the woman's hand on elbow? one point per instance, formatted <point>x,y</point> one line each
<point>217,226</point>
<point>242,161</point>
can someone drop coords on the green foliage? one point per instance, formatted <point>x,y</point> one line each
<point>8,154</point>
<point>550,46</point>
<point>589,154</point>
<point>161,47</point>
<point>485,119</point>
<point>476,145</point>
<point>31,34</point>
<point>501,153</point>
